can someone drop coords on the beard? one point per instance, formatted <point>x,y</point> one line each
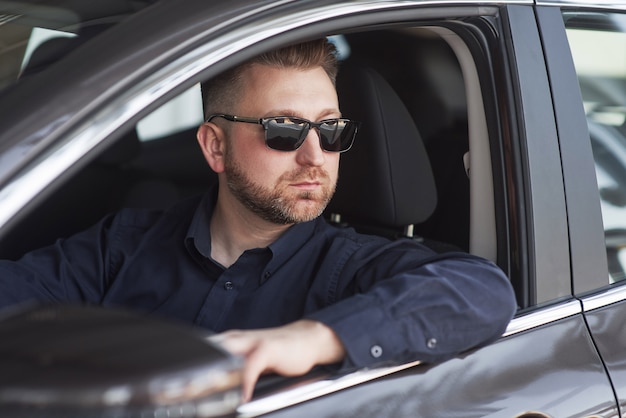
<point>277,204</point>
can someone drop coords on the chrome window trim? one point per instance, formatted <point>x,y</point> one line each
<point>605,298</point>
<point>597,4</point>
<point>307,392</point>
<point>542,317</point>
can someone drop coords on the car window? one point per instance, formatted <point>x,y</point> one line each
<point>183,112</point>
<point>602,77</point>
<point>158,162</point>
<point>33,36</point>
<point>38,37</point>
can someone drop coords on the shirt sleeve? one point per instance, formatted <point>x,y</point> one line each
<point>409,304</point>
<point>76,269</point>
<point>70,270</point>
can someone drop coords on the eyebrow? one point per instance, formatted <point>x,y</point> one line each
<point>291,112</point>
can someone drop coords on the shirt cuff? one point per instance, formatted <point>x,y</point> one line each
<point>369,336</point>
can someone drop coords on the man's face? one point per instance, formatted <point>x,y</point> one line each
<point>282,187</point>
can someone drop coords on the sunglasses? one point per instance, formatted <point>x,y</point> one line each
<point>287,133</point>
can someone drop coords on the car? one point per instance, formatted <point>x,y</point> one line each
<point>515,114</point>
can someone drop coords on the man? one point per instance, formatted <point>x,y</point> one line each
<point>254,261</point>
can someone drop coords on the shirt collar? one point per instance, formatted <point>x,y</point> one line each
<point>290,243</point>
<point>199,234</point>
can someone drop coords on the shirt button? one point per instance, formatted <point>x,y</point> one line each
<point>376,351</point>
<point>228,286</point>
<point>431,343</point>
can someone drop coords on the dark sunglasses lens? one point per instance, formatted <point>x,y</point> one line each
<point>337,135</point>
<point>285,134</point>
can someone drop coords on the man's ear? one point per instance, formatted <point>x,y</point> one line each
<point>211,139</point>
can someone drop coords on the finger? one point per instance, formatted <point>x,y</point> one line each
<point>255,365</point>
<point>216,339</point>
<point>236,343</point>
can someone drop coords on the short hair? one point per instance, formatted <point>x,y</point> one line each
<point>220,94</point>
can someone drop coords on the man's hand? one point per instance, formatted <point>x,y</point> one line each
<point>290,350</point>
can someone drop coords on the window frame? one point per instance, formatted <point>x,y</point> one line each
<point>534,171</point>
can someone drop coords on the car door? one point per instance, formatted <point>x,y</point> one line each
<point>597,40</point>
<point>547,363</point>
<point>518,201</point>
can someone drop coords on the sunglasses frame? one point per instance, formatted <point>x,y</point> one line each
<point>308,126</point>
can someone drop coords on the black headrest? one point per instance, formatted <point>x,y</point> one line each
<point>386,178</point>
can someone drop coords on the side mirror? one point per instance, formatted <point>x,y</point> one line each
<point>76,361</point>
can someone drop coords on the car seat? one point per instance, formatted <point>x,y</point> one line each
<point>424,72</point>
<point>386,185</point>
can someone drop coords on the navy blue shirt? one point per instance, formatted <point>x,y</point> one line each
<point>386,300</point>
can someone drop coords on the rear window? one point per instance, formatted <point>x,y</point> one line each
<point>598,45</point>
<point>34,34</point>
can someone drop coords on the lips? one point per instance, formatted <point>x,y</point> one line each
<point>307,185</point>
<point>307,179</point>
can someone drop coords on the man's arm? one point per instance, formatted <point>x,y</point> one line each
<point>430,313</point>
<point>290,350</point>
<point>74,269</point>
<point>69,270</point>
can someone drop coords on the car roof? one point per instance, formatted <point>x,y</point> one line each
<point>94,71</point>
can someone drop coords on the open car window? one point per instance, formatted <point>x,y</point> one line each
<point>158,162</point>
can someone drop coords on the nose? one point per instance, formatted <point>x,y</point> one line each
<point>310,152</point>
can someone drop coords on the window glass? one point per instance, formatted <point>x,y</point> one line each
<point>598,45</point>
<point>39,36</point>
<point>184,112</point>
<point>36,33</point>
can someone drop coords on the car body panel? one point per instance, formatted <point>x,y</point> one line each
<point>549,378</point>
<point>547,362</point>
<point>607,325</point>
<point>548,253</point>
<point>583,200</point>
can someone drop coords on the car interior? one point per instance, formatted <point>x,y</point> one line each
<point>408,174</point>
<point>420,183</point>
